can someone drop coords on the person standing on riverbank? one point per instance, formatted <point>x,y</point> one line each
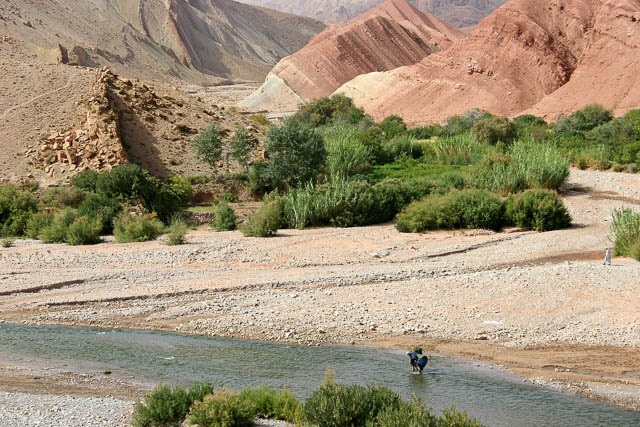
<point>607,257</point>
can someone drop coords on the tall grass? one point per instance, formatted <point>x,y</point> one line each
<point>458,150</point>
<point>346,156</point>
<point>625,232</point>
<point>541,164</point>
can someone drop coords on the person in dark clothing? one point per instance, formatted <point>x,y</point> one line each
<point>418,360</point>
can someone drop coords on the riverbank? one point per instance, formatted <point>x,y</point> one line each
<point>537,303</point>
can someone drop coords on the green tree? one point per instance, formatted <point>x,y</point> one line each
<point>393,126</point>
<point>493,129</point>
<point>295,153</point>
<point>241,146</point>
<point>208,145</point>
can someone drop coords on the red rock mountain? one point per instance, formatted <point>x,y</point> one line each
<point>460,13</point>
<point>389,36</point>
<point>548,57</point>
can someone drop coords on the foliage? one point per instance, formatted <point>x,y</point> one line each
<point>493,129</point>
<point>67,226</point>
<point>181,188</point>
<point>37,223</point>
<point>100,206</point>
<point>273,404</point>
<point>260,119</point>
<point>540,210</point>
<point>166,406</point>
<point>583,120</point>
<point>225,218</point>
<point>258,179</point>
<point>393,126</point>
<point>409,169</point>
<point>412,414</point>
<point>62,197</point>
<point>625,232</point>
<point>176,231</point>
<point>7,243</point>
<point>295,152</point>
<point>457,209</point>
<point>86,180</point>
<point>425,132</point>
<point>265,222</point>
<point>346,155</point>
<point>325,111</point>
<point>241,146</point>
<point>208,145</point>
<point>84,231</point>
<point>541,164</point>
<point>458,150</point>
<point>499,173</point>
<point>222,408</point>
<point>16,208</point>
<point>457,125</point>
<point>140,228</point>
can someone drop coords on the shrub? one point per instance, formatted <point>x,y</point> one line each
<point>241,146</point>
<point>393,126</point>
<point>412,414</point>
<point>176,231</point>
<point>62,197</point>
<point>6,242</point>
<point>463,123</point>
<point>139,228</point>
<point>325,111</point>
<point>586,119</point>
<point>295,153</point>
<point>37,223</point>
<point>123,182</point>
<point>181,187</point>
<point>86,180</point>
<point>334,405</point>
<point>405,146</point>
<point>625,232</point>
<point>225,218</point>
<point>222,408</point>
<point>499,173</point>
<point>56,232</point>
<point>258,179</point>
<point>168,406</point>
<point>101,206</point>
<point>457,209</point>
<point>540,210</point>
<point>84,231</point>
<point>273,404</point>
<point>426,132</point>
<point>16,208</point>
<point>493,129</point>
<point>458,150</point>
<point>260,119</point>
<point>631,152</point>
<point>208,145</point>
<point>265,222</point>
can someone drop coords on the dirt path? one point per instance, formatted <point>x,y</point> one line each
<point>540,303</point>
<point>34,99</point>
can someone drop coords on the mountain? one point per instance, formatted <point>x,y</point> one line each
<point>198,41</point>
<point>459,13</point>
<point>545,57</point>
<point>389,36</point>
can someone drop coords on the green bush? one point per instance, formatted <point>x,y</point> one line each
<point>346,155</point>
<point>7,243</point>
<point>176,231</point>
<point>334,405</point>
<point>325,111</point>
<point>181,188</point>
<point>412,414</point>
<point>583,120</point>
<point>101,206</point>
<point>426,132</point>
<point>625,232</point>
<point>86,180</point>
<point>499,173</point>
<point>265,222</point>
<point>16,208</point>
<point>463,123</point>
<point>258,179</point>
<point>62,197</point>
<point>457,209</point>
<point>493,129</point>
<point>129,228</point>
<point>123,182</point>
<point>56,232</point>
<point>84,231</point>
<point>37,223</point>
<point>631,153</point>
<point>166,406</point>
<point>458,150</point>
<point>393,126</point>
<point>222,408</point>
<point>540,210</point>
<point>241,146</point>
<point>225,218</point>
<point>208,146</point>
<point>296,154</point>
<point>273,404</point>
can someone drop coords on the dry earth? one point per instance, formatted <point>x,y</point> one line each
<point>541,304</point>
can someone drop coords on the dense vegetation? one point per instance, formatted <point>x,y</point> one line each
<point>331,405</point>
<point>625,232</point>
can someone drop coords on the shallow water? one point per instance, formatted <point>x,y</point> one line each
<point>495,398</point>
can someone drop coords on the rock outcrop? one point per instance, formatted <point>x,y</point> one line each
<point>391,35</point>
<point>551,56</point>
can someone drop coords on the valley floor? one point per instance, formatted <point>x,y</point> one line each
<point>541,304</point>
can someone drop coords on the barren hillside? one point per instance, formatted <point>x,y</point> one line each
<point>460,13</point>
<point>556,56</point>
<point>388,36</point>
<point>201,42</point>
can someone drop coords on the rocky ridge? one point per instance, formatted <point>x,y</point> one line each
<point>550,57</point>
<point>388,36</point>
